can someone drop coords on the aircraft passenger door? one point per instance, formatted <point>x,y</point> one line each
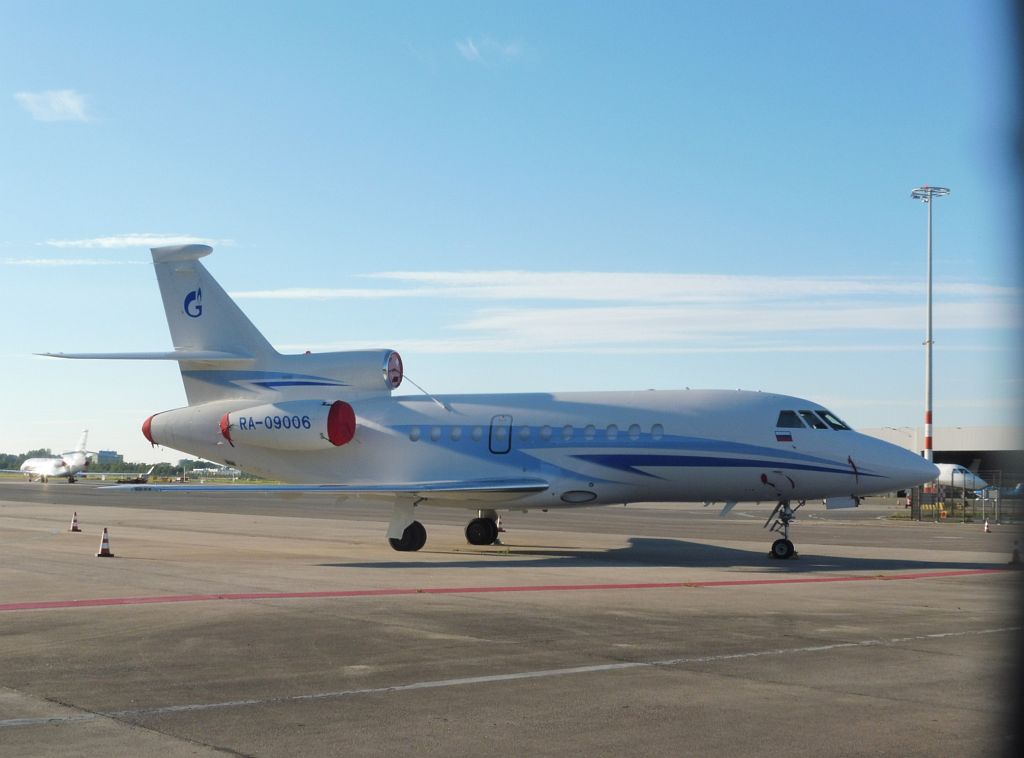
<point>500,439</point>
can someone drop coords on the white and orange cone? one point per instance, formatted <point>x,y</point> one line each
<point>987,530</point>
<point>74,524</point>
<point>105,546</point>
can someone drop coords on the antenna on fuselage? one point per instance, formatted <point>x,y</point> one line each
<point>443,405</point>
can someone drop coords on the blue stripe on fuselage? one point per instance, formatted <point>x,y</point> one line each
<point>264,379</point>
<point>632,461</point>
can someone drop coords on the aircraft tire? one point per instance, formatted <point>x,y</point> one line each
<point>782,549</point>
<point>413,538</point>
<point>481,531</point>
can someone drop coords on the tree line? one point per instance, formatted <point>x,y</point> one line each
<point>182,468</point>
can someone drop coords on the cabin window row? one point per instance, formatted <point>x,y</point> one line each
<point>567,433</point>
<point>821,419</point>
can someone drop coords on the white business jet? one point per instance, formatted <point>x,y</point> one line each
<point>66,465</point>
<point>954,475</point>
<point>329,423</point>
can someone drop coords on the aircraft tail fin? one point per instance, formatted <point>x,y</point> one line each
<point>82,441</point>
<point>200,314</point>
<point>222,355</point>
<point>210,333</point>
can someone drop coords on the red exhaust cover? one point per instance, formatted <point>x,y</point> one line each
<point>225,429</point>
<point>147,430</point>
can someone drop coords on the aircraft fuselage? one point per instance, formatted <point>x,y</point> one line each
<point>591,448</point>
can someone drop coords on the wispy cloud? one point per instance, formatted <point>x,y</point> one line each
<point>484,50</point>
<point>631,313</point>
<point>58,262</point>
<point>137,240</point>
<point>617,287</point>
<point>54,105</point>
<point>462,346</point>
<point>752,322</point>
<point>326,293</point>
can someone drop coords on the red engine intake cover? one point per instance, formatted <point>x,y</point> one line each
<point>341,423</point>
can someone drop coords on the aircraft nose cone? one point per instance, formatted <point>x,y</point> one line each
<point>928,469</point>
<point>896,468</point>
<point>914,470</point>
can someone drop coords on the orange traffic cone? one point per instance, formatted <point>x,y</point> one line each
<point>105,546</point>
<point>987,530</point>
<point>74,524</point>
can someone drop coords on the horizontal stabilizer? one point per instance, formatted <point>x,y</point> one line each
<point>170,253</point>
<point>446,490</point>
<point>209,356</point>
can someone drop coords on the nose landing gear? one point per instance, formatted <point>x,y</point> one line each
<point>783,514</point>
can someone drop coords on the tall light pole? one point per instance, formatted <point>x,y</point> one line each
<point>926,195</point>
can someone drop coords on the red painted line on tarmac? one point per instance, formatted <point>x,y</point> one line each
<point>99,602</point>
<point>108,601</point>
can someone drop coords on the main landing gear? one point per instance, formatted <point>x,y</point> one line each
<point>484,529</point>
<point>783,514</point>
<point>413,538</point>
<point>407,535</point>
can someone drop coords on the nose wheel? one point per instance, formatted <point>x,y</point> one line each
<point>782,549</point>
<point>783,515</point>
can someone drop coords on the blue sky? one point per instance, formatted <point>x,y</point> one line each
<point>516,196</point>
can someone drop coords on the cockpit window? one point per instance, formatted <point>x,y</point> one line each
<point>812,419</point>
<point>834,421</point>
<point>789,420</point>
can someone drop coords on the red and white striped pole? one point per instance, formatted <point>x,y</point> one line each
<point>926,194</point>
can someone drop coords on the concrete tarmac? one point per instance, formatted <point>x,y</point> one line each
<point>255,625</point>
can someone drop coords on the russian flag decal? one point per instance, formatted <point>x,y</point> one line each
<point>783,436</point>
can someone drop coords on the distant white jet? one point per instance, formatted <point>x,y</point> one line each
<point>131,478</point>
<point>956,476</point>
<point>65,465</point>
<point>329,423</point>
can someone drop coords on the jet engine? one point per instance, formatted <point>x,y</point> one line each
<point>294,425</point>
<point>289,425</point>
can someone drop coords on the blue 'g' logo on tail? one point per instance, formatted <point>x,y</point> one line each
<point>194,303</point>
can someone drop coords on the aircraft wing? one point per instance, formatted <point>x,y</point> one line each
<point>475,490</point>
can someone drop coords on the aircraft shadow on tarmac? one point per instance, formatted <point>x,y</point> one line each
<point>645,551</point>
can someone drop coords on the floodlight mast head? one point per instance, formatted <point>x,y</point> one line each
<point>925,194</point>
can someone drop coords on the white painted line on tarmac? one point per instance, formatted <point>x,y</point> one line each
<point>136,714</point>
